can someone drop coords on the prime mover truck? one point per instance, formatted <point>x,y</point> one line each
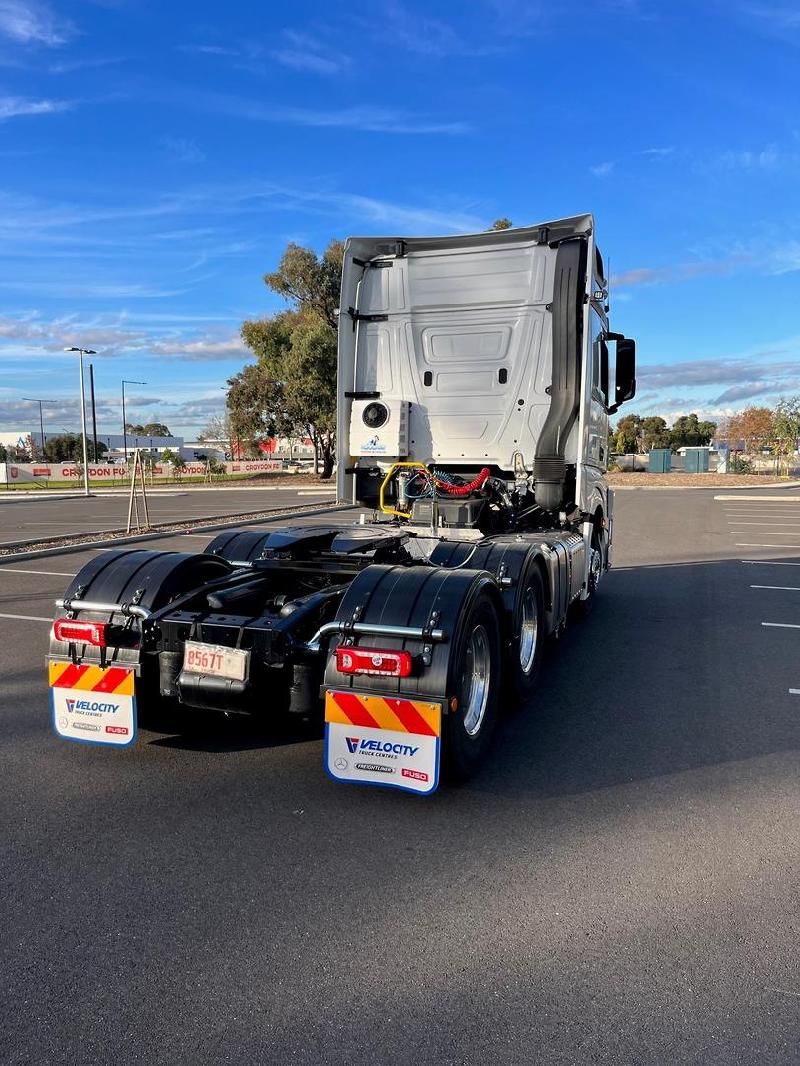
<point>474,390</point>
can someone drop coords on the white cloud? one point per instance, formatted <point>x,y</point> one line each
<point>602,170</point>
<point>29,22</point>
<point>182,150</point>
<point>14,106</point>
<point>303,52</point>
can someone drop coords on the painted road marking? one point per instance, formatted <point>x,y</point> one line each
<point>778,588</point>
<point>28,617</point>
<point>45,573</point>
<point>738,523</point>
<point>756,499</point>
<point>746,545</point>
<point>766,562</point>
<point>781,625</point>
<point>794,691</point>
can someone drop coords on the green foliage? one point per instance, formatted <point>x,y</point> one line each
<point>149,429</point>
<point>291,389</point>
<point>308,281</point>
<point>655,433</point>
<point>502,223</point>
<point>787,424</point>
<point>168,456</point>
<point>627,435</point>
<point>738,464</point>
<point>68,447</point>
<point>687,431</point>
<point>3,454</point>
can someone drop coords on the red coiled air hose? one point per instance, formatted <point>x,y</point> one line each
<point>463,490</point>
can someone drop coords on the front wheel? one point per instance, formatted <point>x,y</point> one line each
<point>475,684</point>
<point>582,608</point>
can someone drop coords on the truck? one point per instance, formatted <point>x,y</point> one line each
<point>474,391</point>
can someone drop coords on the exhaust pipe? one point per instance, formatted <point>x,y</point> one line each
<point>550,468</point>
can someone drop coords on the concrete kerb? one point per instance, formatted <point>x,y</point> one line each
<point>704,488</point>
<point>161,534</point>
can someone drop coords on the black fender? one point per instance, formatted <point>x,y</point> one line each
<point>415,596</point>
<point>150,579</point>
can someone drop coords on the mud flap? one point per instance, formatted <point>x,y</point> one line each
<point>93,704</point>
<point>382,740</point>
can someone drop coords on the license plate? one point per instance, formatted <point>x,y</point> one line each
<point>215,660</point>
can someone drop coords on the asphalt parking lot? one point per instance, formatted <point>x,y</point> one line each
<point>619,885</point>
<point>28,517</point>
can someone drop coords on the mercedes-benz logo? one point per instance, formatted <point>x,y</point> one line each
<point>341,764</point>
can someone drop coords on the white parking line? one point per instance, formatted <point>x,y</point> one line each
<point>739,544</point>
<point>778,588</point>
<point>739,523</point>
<point>781,625</point>
<point>767,562</point>
<point>766,532</point>
<point>45,573</point>
<point>760,499</point>
<point>27,617</point>
<point>794,691</point>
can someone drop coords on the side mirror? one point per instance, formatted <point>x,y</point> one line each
<point>625,386</point>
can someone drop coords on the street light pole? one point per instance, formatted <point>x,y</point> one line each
<point>81,352</point>
<point>34,399</point>
<point>126,381</point>
<point>94,413</point>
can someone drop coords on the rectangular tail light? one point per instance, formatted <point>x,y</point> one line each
<point>76,632</point>
<point>375,661</point>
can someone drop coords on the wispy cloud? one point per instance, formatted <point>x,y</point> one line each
<point>602,170</point>
<point>15,106</point>
<point>303,52</point>
<point>182,150</point>
<point>27,333</point>
<point>427,36</point>
<point>365,117</point>
<point>29,22</point>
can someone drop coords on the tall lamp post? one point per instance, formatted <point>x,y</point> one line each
<point>35,399</point>
<point>81,352</point>
<point>126,381</point>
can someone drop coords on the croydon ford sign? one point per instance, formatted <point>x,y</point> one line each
<point>15,473</point>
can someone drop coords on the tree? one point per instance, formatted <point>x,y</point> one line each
<point>149,429</point>
<point>754,427</point>
<point>68,447</point>
<point>786,425</point>
<point>502,223</point>
<point>291,389</point>
<point>627,435</point>
<point>178,466</point>
<point>687,431</point>
<point>655,433</point>
<point>3,454</point>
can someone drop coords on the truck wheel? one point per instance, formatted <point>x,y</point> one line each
<point>475,669</point>
<point>582,608</point>
<point>527,648</point>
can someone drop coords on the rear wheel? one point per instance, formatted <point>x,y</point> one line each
<point>527,648</point>
<point>475,672</point>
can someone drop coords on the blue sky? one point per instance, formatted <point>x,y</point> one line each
<point>156,157</point>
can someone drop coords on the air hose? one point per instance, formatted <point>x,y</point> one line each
<point>460,490</point>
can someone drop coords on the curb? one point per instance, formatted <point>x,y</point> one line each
<point>234,520</point>
<point>18,495</point>
<point>704,488</point>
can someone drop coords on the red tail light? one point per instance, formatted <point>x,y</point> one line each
<point>70,629</point>
<point>377,661</point>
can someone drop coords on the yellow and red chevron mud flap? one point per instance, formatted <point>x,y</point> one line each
<point>93,704</point>
<point>383,740</point>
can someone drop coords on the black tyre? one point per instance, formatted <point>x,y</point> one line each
<point>528,638</point>
<point>582,608</point>
<point>475,680</point>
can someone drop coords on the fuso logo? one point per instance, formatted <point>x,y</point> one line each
<point>416,775</point>
<point>352,743</point>
<point>120,729</point>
